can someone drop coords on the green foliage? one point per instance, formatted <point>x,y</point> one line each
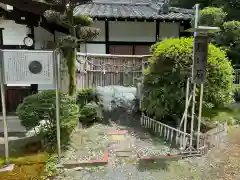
<point>166,76</point>
<point>42,106</point>
<point>211,16</point>
<point>190,3</point>
<point>229,38</point>
<point>231,7</point>
<point>86,95</point>
<point>83,20</point>
<point>230,34</point>
<point>50,167</point>
<point>90,112</point>
<point>86,33</point>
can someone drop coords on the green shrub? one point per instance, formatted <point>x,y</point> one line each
<point>85,96</point>
<point>166,76</point>
<point>211,16</point>
<point>42,106</point>
<point>90,113</point>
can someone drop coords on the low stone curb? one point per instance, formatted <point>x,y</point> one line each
<point>118,132</point>
<point>157,158</point>
<point>76,164</point>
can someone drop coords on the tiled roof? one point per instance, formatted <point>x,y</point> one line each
<point>136,9</point>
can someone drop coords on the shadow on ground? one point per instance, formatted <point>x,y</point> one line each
<point>131,122</point>
<point>20,145</point>
<point>152,165</point>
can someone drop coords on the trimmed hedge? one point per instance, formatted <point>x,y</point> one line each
<point>166,76</point>
<point>42,106</point>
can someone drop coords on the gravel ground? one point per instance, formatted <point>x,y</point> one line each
<point>124,168</point>
<point>221,163</point>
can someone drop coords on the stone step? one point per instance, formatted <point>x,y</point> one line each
<point>124,153</point>
<point>75,164</point>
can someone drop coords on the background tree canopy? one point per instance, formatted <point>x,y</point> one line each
<point>229,36</point>
<point>231,7</point>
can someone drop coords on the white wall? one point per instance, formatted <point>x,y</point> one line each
<point>132,31</point>
<point>93,48</point>
<point>100,25</point>
<point>168,30</point>
<point>42,36</point>
<point>13,34</point>
<point>118,31</point>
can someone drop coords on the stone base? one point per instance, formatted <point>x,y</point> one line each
<point>163,158</point>
<point>8,167</point>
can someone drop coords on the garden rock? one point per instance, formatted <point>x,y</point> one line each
<point>36,130</point>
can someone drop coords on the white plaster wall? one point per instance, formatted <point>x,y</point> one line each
<point>13,34</point>
<point>168,30</point>
<point>132,31</point>
<point>100,25</point>
<point>93,48</point>
<point>42,36</point>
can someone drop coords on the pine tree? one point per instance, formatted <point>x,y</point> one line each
<point>80,31</point>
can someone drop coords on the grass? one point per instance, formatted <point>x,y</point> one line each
<point>26,167</point>
<point>229,114</point>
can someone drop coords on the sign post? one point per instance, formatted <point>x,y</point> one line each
<point>57,80</point>
<point>28,67</point>
<point>5,128</point>
<point>200,59</point>
<point>199,72</point>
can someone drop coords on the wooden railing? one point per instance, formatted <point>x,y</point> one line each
<point>236,77</point>
<point>208,140</point>
<point>168,133</point>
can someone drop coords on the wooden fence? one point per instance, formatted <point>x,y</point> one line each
<point>236,76</point>
<point>105,69</point>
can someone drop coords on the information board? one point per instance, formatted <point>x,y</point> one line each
<point>200,59</point>
<point>27,67</point>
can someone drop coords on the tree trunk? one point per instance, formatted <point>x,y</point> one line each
<point>71,59</point>
<point>71,63</point>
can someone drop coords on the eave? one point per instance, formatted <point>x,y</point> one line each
<point>35,7</point>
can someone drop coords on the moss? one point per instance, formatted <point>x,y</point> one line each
<point>26,167</point>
